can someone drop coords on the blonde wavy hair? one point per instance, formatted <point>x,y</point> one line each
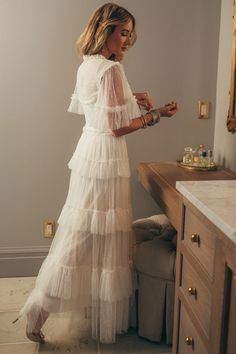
<point>101,25</point>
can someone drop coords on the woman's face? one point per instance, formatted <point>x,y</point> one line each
<point>119,41</point>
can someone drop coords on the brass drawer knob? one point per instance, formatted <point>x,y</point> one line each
<point>195,238</point>
<point>192,291</point>
<point>189,341</point>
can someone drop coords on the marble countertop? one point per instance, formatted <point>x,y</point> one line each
<point>216,200</point>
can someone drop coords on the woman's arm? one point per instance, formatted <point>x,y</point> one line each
<point>136,123</point>
<point>167,111</point>
<point>112,95</point>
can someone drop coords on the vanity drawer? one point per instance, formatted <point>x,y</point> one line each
<point>197,295</point>
<point>189,339</point>
<point>200,241</point>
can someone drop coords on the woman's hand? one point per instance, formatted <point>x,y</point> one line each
<point>144,100</point>
<point>168,110</point>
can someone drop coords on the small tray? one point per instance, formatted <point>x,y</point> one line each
<point>196,168</point>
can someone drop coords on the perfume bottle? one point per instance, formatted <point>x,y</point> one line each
<point>197,154</point>
<point>204,159</point>
<point>188,155</point>
<point>195,157</point>
<point>210,158</point>
<point>200,153</point>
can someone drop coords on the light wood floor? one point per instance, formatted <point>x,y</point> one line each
<point>14,291</point>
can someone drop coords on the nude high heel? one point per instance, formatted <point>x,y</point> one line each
<point>35,336</point>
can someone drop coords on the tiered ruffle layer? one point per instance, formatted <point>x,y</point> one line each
<point>88,270</point>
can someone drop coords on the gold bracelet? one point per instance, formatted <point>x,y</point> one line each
<point>143,122</point>
<point>155,116</point>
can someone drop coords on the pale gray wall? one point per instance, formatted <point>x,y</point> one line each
<point>175,58</point>
<point>224,142</point>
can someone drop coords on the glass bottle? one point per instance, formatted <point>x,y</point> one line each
<point>200,151</point>
<point>210,158</point>
<point>195,157</point>
<point>204,159</point>
<point>188,155</point>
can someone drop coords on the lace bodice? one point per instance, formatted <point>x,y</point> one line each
<point>102,93</point>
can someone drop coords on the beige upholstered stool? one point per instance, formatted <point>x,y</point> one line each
<point>155,265</point>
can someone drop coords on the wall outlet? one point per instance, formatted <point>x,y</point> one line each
<point>49,228</point>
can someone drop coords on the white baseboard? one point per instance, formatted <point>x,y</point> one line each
<point>21,261</point>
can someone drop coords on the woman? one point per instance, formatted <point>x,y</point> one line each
<point>87,272</point>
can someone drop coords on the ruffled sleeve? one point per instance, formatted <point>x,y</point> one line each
<point>75,104</point>
<point>116,99</point>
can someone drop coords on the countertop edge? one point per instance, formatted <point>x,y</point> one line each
<point>214,218</point>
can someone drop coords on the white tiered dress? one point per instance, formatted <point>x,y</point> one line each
<point>88,271</point>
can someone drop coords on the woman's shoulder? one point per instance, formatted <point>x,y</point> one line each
<point>107,65</point>
<point>98,57</point>
<point>94,67</point>
<point>98,62</point>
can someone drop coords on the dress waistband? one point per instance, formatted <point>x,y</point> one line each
<point>95,131</point>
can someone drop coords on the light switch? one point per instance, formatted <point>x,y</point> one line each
<point>203,109</point>
<point>49,228</point>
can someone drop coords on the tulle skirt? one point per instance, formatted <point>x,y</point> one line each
<point>88,271</point>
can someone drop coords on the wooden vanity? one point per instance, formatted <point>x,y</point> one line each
<point>205,292</point>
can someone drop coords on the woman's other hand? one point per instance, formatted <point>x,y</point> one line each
<point>168,110</point>
<point>144,100</point>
